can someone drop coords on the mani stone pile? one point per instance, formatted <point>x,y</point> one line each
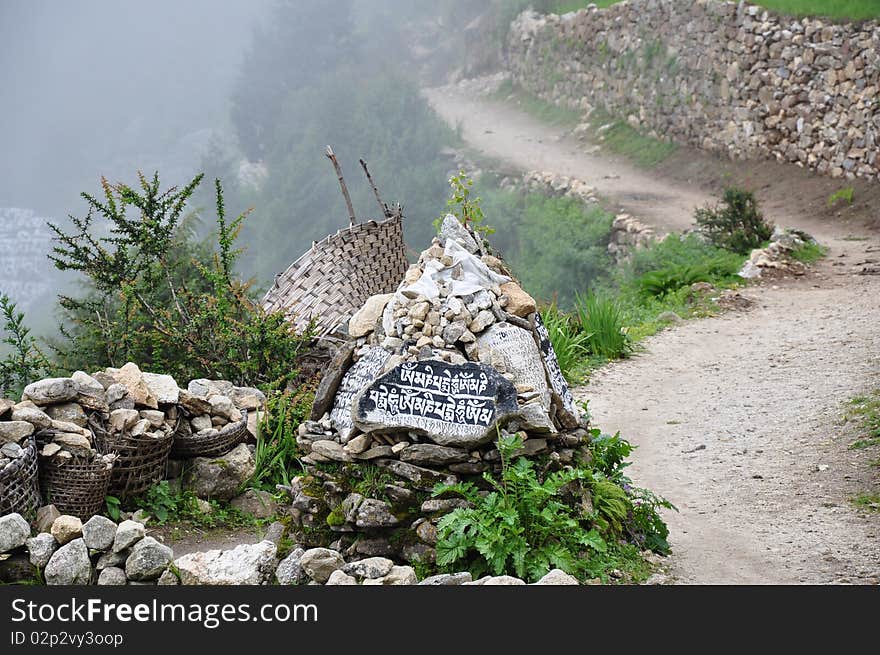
<point>428,379</point>
<point>137,405</point>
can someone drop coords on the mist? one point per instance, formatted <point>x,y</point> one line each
<point>100,87</point>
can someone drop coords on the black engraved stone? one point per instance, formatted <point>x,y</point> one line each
<point>453,404</point>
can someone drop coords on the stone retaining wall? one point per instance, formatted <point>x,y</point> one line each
<point>728,77</point>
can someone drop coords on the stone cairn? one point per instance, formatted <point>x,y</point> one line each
<point>428,379</point>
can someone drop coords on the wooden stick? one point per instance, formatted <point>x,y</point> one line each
<point>382,206</point>
<point>332,157</point>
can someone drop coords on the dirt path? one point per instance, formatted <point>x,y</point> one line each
<point>500,131</point>
<point>736,418</point>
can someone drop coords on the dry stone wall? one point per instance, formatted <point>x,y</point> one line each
<point>724,76</point>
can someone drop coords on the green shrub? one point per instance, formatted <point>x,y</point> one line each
<point>24,362</point>
<point>846,194</point>
<point>556,246</point>
<point>676,262</point>
<point>601,323</point>
<point>167,506</point>
<point>162,299</point>
<point>736,224</point>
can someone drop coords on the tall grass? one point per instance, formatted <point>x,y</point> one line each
<point>277,455</point>
<point>569,342</point>
<point>602,324</point>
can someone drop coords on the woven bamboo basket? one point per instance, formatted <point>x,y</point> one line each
<point>19,490</point>
<point>77,487</point>
<point>188,446</point>
<point>140,463</point>
<point>336,276</point>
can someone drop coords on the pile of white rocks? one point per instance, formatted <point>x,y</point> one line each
<point>69,552</point>
<point>775,259</point>
<point>139,405</point>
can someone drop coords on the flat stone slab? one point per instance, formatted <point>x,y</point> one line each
<point>554,374</point>
<point>452,404</point>
<point>359,376</point>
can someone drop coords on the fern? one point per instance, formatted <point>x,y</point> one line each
<point>521,527</point>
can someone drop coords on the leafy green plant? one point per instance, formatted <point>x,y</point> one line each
<point>609,453</point>
<point>163,300</point>
<point>846,194</point>
<point>159,502</point>
<point>277,453</point>
<point>113,507</point>
<point>25,361</point>
<point>461,205</point>
<point>569,343</point>
<point>167,506</point>
<point>736,223</point>
<point>601,322</point>
<point>372,481</point>
<point>522,527</point>
<point>868,500</point>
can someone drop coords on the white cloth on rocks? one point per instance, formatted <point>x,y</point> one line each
<point>467,274</point>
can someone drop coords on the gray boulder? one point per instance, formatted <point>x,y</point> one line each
<point>40,549</point>
<point>68,413</point>
<point>14,431</point>
<point>69,565</point>
<point>290,571</point>
<point>148,560</point>
<point>46,516</point>
<point>373,513</point>
<point>339,578</point>
<point>371,567</point>
<point>220,477</point>
<point>558,577</point>
<point>14,532</point>
<point>99,532</point>
<point>446,579</point>
<point>319,563</point>
<point>398,575</point>
<point>128,534</point>
<point>247,564</point>
<point>50,391</point>
<point>112,576</point>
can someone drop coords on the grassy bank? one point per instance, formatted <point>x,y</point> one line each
<point>612,132</point>
<point>839,9</point>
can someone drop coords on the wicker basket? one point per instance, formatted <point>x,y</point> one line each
<point>77,487</point>
<point>334,278</point>
<point>19,491</point>
<point>188,446</point>
<point>140,463</point>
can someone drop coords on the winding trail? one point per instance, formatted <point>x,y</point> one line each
<point>736,417</point>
